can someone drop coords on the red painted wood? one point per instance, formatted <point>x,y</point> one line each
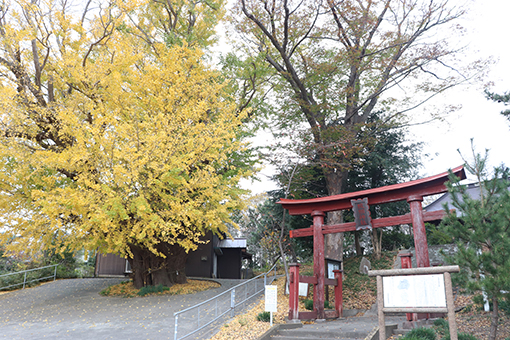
<point>420,236</point>
<point>412,191</point>
<point>308,279</point>
<point>330,282</point>
<point>330,314</point>
<point>377,223</point>
<point>293,291</point>
<point>406,262</point>
<point>390,193</point>
<point>339,302</point>
<point>308,315</point>
<point>318,263</point>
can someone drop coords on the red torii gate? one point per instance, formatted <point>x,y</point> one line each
<point>413,192</point>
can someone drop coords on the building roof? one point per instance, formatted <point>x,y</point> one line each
<point>235,243</point>
<point>473,190</point>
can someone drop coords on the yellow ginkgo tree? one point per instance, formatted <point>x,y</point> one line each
<point>113,137</point>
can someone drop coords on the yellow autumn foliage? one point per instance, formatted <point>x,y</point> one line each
<point>110,135</point>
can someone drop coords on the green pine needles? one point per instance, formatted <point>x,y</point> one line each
<point>480,226</point>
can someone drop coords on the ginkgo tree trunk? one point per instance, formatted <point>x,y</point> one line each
<point>113,138</point>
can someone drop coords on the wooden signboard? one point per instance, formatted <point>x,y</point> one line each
<point>415,290</point>
<point>361,214</point>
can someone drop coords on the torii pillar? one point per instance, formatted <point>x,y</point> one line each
<point>420,235</point>
<point>318,262</point>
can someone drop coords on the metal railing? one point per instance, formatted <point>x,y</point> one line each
<point>27,279</point>
<point>198,317</point>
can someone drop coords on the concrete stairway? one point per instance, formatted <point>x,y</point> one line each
<point>307,334</point>
<point>355,328</point>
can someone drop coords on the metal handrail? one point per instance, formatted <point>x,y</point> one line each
<point>54,276</point>
<point>233,303</point>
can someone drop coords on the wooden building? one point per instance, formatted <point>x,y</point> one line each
<point>215,259</point>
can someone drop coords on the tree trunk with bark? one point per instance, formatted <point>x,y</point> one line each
<point>376,236</point>
<point>357,243</point>
<point>334,243</point>
<point>152,270</point>
<point>494,318</point>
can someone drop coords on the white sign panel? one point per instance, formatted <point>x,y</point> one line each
<point>332,266</point>
<point>271,301</point>
<point>303,289</point>
<point>414,291</point>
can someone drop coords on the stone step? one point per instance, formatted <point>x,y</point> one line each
<point>281,337</point>
<point>316,334</point>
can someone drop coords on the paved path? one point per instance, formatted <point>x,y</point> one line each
<point>73,309</point>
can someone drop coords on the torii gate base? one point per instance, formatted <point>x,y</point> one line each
<point>413,192</point>
<point>295,279</point>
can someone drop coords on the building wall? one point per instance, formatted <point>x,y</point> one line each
<point>229,264</point>
<point>200,261</point>
<point>203,262</point>
<point>110,264</point>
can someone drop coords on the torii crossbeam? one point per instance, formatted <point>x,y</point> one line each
<point>413,192</point>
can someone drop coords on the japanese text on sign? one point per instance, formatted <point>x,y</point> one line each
<point>361,214</point>
<point>271,300</point>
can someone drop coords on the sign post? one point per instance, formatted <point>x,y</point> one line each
<point>271,301</point>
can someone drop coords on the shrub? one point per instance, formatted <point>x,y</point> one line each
<point>264,317</point>
<point>421,334</point>
<point>152,289</point>
<point>442,326</point>
<point>441,323</point>
<point>309,304</point>
<point>461,336</point>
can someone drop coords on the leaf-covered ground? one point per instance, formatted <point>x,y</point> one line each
<point>359,292</point>
<point>477,322</point>
<point>126,289</point>
<point>247,327</point>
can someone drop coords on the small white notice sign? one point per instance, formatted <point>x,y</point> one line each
<point>303,289</point>
<point>414,291</point>
<point>271,301</point>
<point>332,266</point>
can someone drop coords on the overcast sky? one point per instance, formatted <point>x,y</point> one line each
<point>487,30</point>
<point>486,36</point>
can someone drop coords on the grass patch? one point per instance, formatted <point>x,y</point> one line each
<point>127,290</point>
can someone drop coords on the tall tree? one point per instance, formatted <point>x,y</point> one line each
<point>113,138</point>
<point>391,159</point>
<point>388,159</point>
<point>334,62</point>
<point>481,228</point>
